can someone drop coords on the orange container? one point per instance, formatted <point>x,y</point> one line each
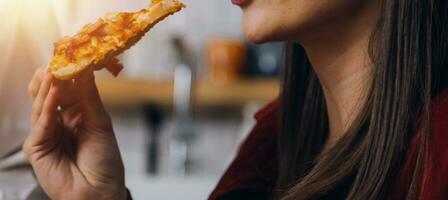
<point>225,59</point>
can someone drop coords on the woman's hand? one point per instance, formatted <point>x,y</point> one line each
<point>73,149</point>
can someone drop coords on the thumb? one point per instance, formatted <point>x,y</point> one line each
<point>92,108</point>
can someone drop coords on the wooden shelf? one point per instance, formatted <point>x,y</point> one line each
<point>130,92</point>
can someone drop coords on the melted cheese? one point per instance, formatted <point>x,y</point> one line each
<point>108,36</point>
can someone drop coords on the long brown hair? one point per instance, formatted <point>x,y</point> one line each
<point>409,49</point>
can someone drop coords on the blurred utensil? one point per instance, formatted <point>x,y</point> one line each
<point>154,118</point>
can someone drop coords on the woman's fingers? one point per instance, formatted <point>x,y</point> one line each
<point>69,103</point>
<point>90,102</point>
<point>44,123</point>
<point>47,119</point>
<point>33,86</point>
<point>70,96</point>
<point>39,100</point>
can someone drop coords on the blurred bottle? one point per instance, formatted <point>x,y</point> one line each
<point>180,145</point>
<point>225,59</point>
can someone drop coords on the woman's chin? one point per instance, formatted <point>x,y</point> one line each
<point>258,28</point>
<point>255,37</point>
<point>256,33</point>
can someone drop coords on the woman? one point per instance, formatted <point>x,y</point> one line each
<point>362,115</point>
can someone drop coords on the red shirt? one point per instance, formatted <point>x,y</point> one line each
<point>253,172</point>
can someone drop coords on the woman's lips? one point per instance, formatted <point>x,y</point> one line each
<point>239,2</point>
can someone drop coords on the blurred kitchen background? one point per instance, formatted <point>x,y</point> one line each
<point>180,108</point>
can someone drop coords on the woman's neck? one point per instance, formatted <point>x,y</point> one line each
<point>345,82</point>
<point>340,59</point>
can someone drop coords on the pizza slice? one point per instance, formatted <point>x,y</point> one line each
<point>97,44</point>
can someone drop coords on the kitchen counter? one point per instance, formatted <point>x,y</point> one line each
<point>130,92</point>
